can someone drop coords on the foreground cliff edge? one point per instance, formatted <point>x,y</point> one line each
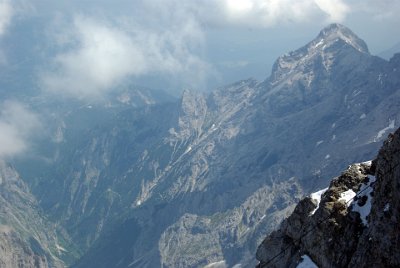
<point>352,223</point>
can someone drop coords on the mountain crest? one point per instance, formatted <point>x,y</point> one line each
<point>322,50</point>
<point>335,32</point>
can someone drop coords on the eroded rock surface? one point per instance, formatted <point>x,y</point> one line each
<point>355,223</point>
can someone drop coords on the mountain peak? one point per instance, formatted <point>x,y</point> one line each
<point>335,32</point>
<point>333,28</point>
<point>329,42</point>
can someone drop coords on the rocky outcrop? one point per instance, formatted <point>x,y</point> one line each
<point>195,241</point>
<point>352,223</point>
<point>15,252</point>
<point>27,238</point>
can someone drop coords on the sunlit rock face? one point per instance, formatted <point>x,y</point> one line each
<point>27,237</point>
<point>353,225</point>
<point>147,180</point>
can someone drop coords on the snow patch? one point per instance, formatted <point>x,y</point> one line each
<point>306,262</point>
<point>317,197</point>
<point>218,264</point>
<point>367,163</point>
<point>364,200</point>
<point>60,249</point>
<point>319,43</point>
<point>383,131</point>
<point>213,128</point>
<point>347,196</point>
<point>387,207</point>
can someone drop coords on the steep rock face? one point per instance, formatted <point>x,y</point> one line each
<point>379,244</point>
<point>194,241</point>
<point>15,252</point>
<point>221,148</point>
<point>126,177</point>
<point>27,239</point>
<point>354,224</point>
<point>318,70</point>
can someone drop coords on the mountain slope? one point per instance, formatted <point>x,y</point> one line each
<point>27,238</point>
<point>126,186</point>
<point>353,224</point>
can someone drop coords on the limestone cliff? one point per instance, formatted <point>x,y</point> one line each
<point>27,238</point>
<point>352,223</point>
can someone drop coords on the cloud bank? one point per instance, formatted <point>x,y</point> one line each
<point>268,13</point>
<point>17,125</point>
<point>98,50</point>
<point>159,38</point>
<point>6,14</point>
<point>100,54</point>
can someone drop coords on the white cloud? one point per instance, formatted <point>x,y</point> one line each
<point>17,125</point>
<point>269,13</point>
<point>160,38</point>
<point>6,14</point>
<point>101,54</point>
<point>336,10</point>
<point>380,10</point>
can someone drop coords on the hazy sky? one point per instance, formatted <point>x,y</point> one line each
<point>84,49</point>
<point>88,47</point>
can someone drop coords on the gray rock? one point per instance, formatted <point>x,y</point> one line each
<point>121,177</point>
<point>336,235</point>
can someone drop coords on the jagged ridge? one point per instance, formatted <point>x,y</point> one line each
<point>323,48</point>
<point>127,177</point>
<point>345,231</point>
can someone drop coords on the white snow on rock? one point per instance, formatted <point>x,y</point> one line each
<point>365,192</point>
<point>317,197</point>
<point>383,131</point>
<point>219,264</point>
<point>367,163</point>
<point>347,196</point>
<point>306,262</point>
<point>319,143</point>
<point>60,249</point>
<point>321,42</point>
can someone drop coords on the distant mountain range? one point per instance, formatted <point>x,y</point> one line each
<point>389,53</point>
<point>143,179</point>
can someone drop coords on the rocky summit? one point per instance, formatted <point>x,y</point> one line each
<point>143,179</point>
<point>352,223</point>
